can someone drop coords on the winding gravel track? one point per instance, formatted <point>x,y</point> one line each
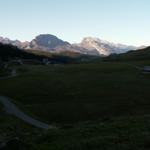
<point>14,110</point>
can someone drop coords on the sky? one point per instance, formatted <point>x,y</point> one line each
<point>120,21</point>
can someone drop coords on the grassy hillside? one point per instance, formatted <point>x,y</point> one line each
<point>139,55</point>
<point>8,52</point>
<point>52,54</point>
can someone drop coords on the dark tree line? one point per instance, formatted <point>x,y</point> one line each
<point>8,52</point>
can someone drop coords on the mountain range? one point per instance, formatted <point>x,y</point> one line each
<point>89,45</point>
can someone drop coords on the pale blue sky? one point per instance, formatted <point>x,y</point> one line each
<point>124,21</point>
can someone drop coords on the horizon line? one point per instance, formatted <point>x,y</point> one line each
<point>73,42</point>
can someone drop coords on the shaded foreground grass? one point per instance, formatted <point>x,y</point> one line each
<point>4,73</point>
<point>113,134</point>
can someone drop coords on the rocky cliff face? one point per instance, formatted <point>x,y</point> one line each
<point>104,47</point>
<point>47,42</point>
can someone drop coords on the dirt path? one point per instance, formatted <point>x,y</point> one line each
<point>14,110</point>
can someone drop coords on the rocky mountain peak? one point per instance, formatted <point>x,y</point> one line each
<point>104,47</point>
<point>47,41</point>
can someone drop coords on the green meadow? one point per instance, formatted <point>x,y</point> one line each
<point>98,105</point>
<point>80,92</point>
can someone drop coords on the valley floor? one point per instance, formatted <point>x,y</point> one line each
<point>101,105</point>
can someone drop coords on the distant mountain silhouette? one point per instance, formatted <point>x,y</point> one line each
<point>88,46</point>
<point>19,44</point>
